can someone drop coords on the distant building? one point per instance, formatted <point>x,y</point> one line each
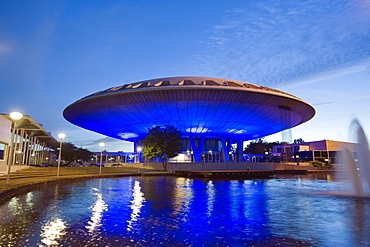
<point>215,115</point>
<point>325,151</point>
<point>114,158</point>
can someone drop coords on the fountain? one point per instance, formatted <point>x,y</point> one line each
<point>355,167</point>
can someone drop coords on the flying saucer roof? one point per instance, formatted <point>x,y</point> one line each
<point>195,105</point>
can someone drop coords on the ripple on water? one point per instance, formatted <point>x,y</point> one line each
<point>185,212</point>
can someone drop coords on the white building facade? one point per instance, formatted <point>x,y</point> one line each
<point>24,143</point>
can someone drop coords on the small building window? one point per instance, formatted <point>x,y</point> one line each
<point>2,151</point>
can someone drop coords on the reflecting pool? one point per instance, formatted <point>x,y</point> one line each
<point>170,211</point>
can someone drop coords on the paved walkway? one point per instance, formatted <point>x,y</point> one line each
<point>27,178</point>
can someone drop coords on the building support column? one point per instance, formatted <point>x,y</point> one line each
<point>239,151</point>
<point>139,150</point>
<point>15,147</point>
<point>226,148</point>
<point>24,148</point>
<point>32,152</point>
<point>42,153</point>
<point>38,153</point>
<point>197,151</point>
<point>29,151</point>
<point>11,147</point>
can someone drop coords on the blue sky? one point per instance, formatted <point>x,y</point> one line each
<point>53,53</point>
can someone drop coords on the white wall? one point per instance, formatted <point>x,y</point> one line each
<point>5,128</point>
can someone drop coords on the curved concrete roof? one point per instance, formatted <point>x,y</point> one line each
<point>196,105</point>
<point>187,82</point>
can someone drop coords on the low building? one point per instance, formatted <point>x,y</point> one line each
<point>113,158</point>
<point>24,143</point>
<point>324,151</point>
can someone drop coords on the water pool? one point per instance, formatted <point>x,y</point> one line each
<point>170,211</point>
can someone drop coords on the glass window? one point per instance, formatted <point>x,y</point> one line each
<point>2,150</point>
<point>211,144</point>
<point>332,154</point>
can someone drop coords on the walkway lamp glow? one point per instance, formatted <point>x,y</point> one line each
<point>139,150</point>
<point>101,154</point>
<point>61,137</point>
<point>15,116</point>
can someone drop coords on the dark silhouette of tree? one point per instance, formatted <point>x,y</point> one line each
<point>299,140</point>
<point>257,146</point>
<point>260,146</point>
<point>71,153</point>
<point>162,143</point>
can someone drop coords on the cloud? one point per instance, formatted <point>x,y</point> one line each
<point>279,42</point>
<point>5,48</point>
<point>105,140</point>
<point>324,103</point>
<point>126,135</point>
<point>111,144</point>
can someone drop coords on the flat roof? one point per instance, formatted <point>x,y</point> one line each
<point>34,129</point>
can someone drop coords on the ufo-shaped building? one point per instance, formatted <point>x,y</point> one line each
<point>211,113</point>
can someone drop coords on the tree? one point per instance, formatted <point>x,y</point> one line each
<point>300,140</point>
<point>260,146</point>
<point>162,143</point>
<point>71,153</point>
<point>257,146</point>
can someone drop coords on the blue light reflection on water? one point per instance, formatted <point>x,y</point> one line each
<point>168,211</point>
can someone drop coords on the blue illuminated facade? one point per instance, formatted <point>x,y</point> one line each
<point>215,115</point>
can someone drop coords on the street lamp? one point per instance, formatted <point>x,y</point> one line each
<point>101,154</point>
<point>139,150</point>
<point>61,137</point>
<point>15,116</point>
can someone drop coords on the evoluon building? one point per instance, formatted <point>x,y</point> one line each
<point>215,115</point>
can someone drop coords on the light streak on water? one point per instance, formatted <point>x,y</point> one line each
<point>211,193</point>
<point>136,204</point>
<point>183,197</point>
<point>52,231</point>
<point>97,212</point>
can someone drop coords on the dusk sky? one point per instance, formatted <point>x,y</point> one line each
<point>53,53</point>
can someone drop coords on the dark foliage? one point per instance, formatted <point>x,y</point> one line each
<point>162,143</point>
<point>71,153</point>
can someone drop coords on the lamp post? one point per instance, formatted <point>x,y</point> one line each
<point>101,155</point>
<point>61,137</point>
<point>15,116</point>
<point>139,150</point>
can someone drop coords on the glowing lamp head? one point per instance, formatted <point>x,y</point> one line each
<point>15,115</point>
<point>61,136</point>
<point>102,144</point>
<point>139,149</point>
